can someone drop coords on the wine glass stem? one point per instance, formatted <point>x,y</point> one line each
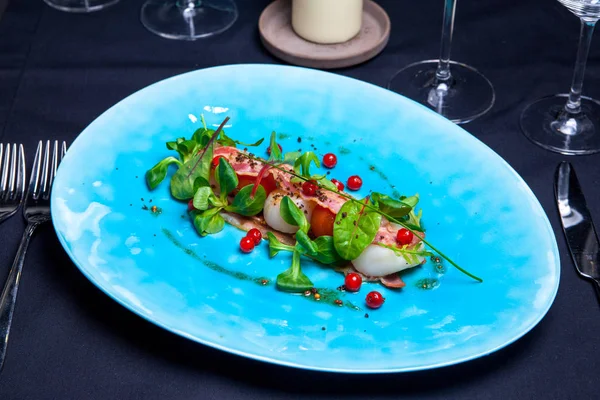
<point>442,73</point>
<point>573,105</point>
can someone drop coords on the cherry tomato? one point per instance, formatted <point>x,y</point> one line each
<point>215,161</point>
<point>268,182</point>
<point>353,282</point>
<point>191,205</point>
<point>329,160</point>
<point>255,235</point>
<point>322,221</point>
<point>374,299</point>
<point>247,244</point>
<point>404,236</point>
<point>354,182</point>
<point>269,149</point>
<point>309,188</point>
<point>339,184</point>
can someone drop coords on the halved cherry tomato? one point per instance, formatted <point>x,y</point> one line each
<point>191,205</point>
<point>322,221</point>
<point>215,161</point>
<point>268,182</point>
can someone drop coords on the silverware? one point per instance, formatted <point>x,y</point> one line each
<point>12,179</point>
<point>577,224</point>
<point>36,211</point>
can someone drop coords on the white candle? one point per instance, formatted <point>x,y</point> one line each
<point>327,21</point>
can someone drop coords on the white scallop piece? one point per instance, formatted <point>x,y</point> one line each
<point>379,261</point>
<point>272,214</point>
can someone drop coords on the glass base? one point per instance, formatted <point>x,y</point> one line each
<point>465,96</point>
<point>547,124</point>
<point>188,20</point>
<point>80,6</point>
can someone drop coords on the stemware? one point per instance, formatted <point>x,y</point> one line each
<point>188,19</point>
<point>457,91</point>
<point>569,123</point>
<point>80,6</point>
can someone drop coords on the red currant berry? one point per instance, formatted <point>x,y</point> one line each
<point>309,188</point>
<point>329,160</point>
<point>352,282</point>
<point>404,237</point>
<point>339,184</point>
<point>247,244</point>
<point>255,235</point>
<point>374,299</point>
<point>354,182</point>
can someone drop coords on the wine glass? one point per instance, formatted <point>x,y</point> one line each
<point>457,91</point>
<point>188,19</point>
<point>569,123</point>
<point>80,6</point>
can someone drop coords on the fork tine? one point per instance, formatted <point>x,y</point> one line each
<point>52,172</point>
<point>45,167</point>
<point>20,174</point>
<point>34,181</point>
<point>63,150</point>
<point>4,179</point>
<point>13,172</point>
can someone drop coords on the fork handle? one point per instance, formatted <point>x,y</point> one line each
<point>8,298</point>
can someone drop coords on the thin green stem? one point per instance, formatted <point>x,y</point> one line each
<point>388,217</point>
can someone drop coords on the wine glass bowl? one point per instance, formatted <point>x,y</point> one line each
<point>569,123</point>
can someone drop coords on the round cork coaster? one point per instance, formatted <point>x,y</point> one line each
<point>278,36</point>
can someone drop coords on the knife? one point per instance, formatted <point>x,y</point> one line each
<point>577,224</point>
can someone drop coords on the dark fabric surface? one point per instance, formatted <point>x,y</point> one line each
<point>59,71</point>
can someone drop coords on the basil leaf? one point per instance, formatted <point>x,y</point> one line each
<point>302,164</point>
<point>226,177</point>
<point>257,143</point>
<point>225,140</point>
<point>326,253</point>
<point>390,206</point>
<point>201,198</point>
<point>208,222</point>
<point>275,246</point>
<point>293,279</point>
<point>291,157</point>
<point>304,241</point>
<point>202,136</point>
<point>156,174</point>
<point>411,201</point>
<point>354,229</point>
<point>187,149</point>
<point>173,145</point>
<point>182,182</point>
<point>244,204</point>
<point>292,214</point>
<point>275,151</point>
<point>326,183</point>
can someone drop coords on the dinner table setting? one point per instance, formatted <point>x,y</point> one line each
<point>289,199</point>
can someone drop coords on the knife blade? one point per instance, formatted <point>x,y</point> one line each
<point>577,224</point>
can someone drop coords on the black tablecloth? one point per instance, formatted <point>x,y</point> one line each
<point>59,71</point>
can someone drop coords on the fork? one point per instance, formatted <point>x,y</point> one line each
<point>36,211</point>
<point>12,179</point>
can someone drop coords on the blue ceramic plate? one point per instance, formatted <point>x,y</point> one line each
<point>476,209</point>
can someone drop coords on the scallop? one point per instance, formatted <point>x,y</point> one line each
<point>273,216</point>
<point>379,261</point>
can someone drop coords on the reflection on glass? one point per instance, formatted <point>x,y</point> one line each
<point>457,91</point>
<point>569,123</point>
<point>188,20</point>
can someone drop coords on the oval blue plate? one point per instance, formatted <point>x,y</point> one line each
<point>476,209</point>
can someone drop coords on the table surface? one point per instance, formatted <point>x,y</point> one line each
<point>59,71</point>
